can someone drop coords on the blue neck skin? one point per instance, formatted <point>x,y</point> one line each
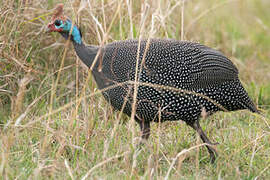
<point>76,35</point>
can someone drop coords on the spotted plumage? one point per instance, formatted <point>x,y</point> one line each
<point>181,65</point>
<point>177,80</point>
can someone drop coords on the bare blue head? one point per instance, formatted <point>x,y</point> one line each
<point>64,27</point>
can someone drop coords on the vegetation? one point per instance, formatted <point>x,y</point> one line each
<point>55,124</point>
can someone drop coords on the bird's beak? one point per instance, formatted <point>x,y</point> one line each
<point>49,28</point>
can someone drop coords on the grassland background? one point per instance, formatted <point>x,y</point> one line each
<point>46,132</point>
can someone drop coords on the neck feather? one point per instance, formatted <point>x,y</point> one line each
<point>86,53</point>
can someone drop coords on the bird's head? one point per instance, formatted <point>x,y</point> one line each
<point>64,26</point>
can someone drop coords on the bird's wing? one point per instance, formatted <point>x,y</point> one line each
<point>189,65</point>
<point>211,67</point>
<point>168,62</point>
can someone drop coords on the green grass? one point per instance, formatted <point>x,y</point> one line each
<point>44,136</point>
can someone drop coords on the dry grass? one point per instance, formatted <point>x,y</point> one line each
<point>54,123</point>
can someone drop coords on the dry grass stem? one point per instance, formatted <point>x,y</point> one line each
<point>102,163</point>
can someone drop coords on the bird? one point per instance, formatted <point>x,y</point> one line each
<point>173,80</point>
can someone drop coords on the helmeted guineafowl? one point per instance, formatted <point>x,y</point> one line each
<point>177,80</point>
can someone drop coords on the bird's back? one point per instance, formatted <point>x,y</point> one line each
<point>179,79</point>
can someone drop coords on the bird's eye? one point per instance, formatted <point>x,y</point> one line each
<point>57,22</point>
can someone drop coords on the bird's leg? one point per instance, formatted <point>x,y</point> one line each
<point>213,153</point>
<point>145,128</point>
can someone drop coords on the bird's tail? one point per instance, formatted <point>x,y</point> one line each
<point>253,108</point>
<point>248,104</point>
